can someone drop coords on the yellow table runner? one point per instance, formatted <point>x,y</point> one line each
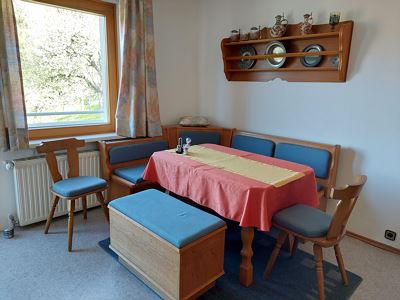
<point>266,173</point>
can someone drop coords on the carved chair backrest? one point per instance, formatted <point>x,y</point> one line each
<point>71,146</point>
<point>348,197</point>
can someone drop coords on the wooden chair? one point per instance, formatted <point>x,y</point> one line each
<point>310,224</point>
<point>75,186</point>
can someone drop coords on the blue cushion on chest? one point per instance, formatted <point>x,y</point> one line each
<point>75,186</point>
<point>253,144</point>
<point>305,220</point>
<point>201,137</point>
<point>174,221</point>
<point>135,151</point>
<point>132,174</point>
<point>315,158</point>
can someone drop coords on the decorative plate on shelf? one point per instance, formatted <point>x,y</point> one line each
<point>247,63</point>
<point>275,48</point>
<point>311,61</point>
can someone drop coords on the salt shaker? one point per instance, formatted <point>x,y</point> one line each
<point>186,149</point>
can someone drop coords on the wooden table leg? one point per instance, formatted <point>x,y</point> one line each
<point>246,267</point>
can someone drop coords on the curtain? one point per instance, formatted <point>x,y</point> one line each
<point>13,124</point>
<point>138,113</point>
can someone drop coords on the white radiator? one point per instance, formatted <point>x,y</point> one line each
<point>33,181</point>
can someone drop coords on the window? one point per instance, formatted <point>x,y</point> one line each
<point>68,60</point>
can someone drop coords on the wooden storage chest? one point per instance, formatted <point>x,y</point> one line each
<point>173,272</point>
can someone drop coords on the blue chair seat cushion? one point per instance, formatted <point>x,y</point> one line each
<point>305,220</point>
<point>132,174</point>
<point>80,185</point>
<point>174,221</point>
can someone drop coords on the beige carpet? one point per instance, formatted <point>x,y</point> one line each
<point>38,266</point>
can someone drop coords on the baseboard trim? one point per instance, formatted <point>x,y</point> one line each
<point>373,242</point>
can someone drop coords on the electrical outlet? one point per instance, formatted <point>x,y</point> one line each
<point>390,235</point>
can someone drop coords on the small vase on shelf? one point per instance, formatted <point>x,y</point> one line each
<point>306,25</point>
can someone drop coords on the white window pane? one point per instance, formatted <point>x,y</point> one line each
<point>63,58</point>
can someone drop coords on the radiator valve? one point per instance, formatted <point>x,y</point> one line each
<point>9,231</point>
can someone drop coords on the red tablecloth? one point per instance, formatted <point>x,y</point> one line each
<point>233,196</point>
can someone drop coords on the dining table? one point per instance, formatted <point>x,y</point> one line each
<point>238,185</point>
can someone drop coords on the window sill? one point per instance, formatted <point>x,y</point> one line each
<point>86,138</point>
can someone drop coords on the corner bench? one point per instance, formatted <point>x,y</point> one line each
<point>123,162</point>
<point>176,249</point>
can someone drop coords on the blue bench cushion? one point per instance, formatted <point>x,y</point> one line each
<point>305,220</point>
<point>201,137</point>
<point>318,159</point>
<point>130,152</point>
<point>132,174</point>
<point>75,186</point>
<point>174,221</point>
<point>253,144</point>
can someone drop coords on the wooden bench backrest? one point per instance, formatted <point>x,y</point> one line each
<point>173,133</point>
<point>105,146</point>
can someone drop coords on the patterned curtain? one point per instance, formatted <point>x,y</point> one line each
<point>138,113</point>
<point>13,124</point>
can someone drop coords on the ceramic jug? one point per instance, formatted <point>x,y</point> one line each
<point>279,28</point>
<point>306,25</point>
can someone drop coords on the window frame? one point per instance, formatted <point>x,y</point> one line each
<point>108,10</point>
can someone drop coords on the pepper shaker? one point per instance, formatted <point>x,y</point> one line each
<point>179,147</point>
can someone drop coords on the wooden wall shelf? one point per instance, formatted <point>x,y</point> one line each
<point>336,43</point>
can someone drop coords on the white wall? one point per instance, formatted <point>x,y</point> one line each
<point>176,28</point>
<point>176,33</point>
<point>361,115</point>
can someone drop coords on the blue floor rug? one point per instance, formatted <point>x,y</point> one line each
<point>291,278</point>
